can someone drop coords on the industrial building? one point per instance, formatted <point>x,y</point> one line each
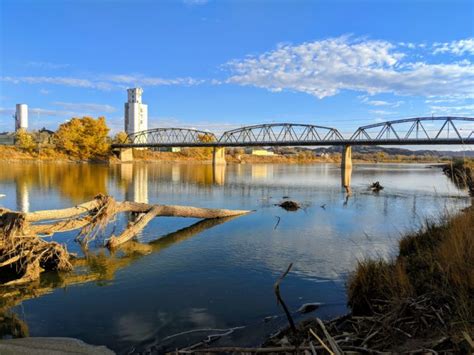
<point>136,113</point>
<point>21,117</point>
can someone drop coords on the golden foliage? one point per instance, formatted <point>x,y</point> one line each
<point>84,137</point>
<point>121,137</point>
<point>25,141</point>
<point>205,152</point>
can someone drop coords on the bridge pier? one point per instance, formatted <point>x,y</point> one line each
<point>126,155</point>
<point>346,167</point>
<point>218,156</point>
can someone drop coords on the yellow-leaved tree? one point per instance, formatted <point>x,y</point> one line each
<point>25,141</point>
<point>121,137</point>
<point>83,138</point>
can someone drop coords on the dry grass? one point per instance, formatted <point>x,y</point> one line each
<point>438,261</point>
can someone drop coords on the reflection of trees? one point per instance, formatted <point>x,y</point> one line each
<point>76,182</point>
<point>97,267</point>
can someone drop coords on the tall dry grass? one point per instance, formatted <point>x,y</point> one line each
<point>437,261</point>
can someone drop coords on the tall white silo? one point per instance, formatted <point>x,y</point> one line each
<point>21,117</point>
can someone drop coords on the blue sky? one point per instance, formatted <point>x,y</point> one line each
<point>219,64</point>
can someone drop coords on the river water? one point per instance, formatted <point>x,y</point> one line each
<point>196,277</point>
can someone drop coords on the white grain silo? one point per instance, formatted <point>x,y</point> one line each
<point>136,113</point>
<point>21,117</point>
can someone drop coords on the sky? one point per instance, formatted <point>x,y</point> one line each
<point>217,64</point>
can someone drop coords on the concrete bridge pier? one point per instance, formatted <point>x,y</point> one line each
<point>125,155</point>
<point>218,156</point>
<point>346,167</point>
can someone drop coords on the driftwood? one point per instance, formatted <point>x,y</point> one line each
<point>276,289</point>
<point>25,254</point>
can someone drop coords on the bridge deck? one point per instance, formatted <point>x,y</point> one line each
<point>344,142</point>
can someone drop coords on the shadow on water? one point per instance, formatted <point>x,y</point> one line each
<point>99,267</point>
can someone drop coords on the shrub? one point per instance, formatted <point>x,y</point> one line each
<point>84,137</point>
<point>25,141</point>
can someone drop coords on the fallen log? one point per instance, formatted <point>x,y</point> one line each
<point>152,211</point>
<point>23,249</point>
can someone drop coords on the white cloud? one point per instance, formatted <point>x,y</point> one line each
<point>44,92</point>
<point>195,2</point>
<point>452,109</point>
<point>86,107</point>
<point>140,80</point>
<point>367,101</point>
<point>382,112</point>
<point>324,68</point>
<point>104,82</point>
<point>46,65</point>
<point>463,46</point>
<point>58,80</point>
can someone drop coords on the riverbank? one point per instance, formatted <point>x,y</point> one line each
<point>420,301</point>
<point>203,155</point>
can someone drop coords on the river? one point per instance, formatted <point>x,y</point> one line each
<point>219,276</point>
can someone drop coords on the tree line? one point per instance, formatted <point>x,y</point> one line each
<point>83,138</point>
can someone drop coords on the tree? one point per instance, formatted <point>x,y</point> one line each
<point>84,137</point>
<point>25,141</point>
<point>121,137</point>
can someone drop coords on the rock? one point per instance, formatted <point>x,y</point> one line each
<point>376,187</point>
<point>289,205</point>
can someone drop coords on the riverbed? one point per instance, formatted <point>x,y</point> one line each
<point>198,279</point>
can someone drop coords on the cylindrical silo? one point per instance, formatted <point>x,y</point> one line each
<point>21,116</point>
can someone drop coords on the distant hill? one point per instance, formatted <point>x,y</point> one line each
<point>398,151</point>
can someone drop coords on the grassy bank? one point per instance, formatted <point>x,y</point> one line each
<point>15,154</point>
<point>421,300</point>
<point>204,155</point>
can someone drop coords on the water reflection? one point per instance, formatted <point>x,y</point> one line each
<point>177,283</point>
<point>76,182</point>
<point>135,178</point>
<point>99,267</point>
<point>22,196</point>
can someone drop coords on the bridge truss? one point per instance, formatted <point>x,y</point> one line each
<point>280,133</point>
<point>411,131</point>
<point>430,130</point>
<point>170,137</point>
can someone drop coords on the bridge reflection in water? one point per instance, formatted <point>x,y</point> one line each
<point>136,177</point>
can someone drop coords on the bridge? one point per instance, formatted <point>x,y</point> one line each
<point>410,131</point>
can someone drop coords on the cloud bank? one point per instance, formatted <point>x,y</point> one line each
<point>325,68</point>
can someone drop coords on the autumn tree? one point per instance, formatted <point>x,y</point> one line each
<point>84,137</point>
<point>121,137</point>
<point>25,141</point>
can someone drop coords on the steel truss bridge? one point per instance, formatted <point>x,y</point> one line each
<point>410,131</point>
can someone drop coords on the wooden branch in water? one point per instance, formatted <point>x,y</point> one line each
<point>153,211</point>
<point>61,226</point>
<point>19,234</point>
<point>179,211</point>
<point>276,288</point>
<point>63,213</point>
